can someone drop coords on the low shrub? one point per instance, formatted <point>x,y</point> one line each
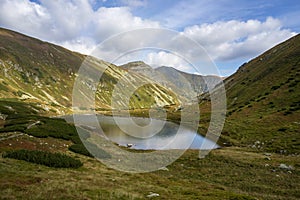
<point>56,128</point>
<point>17,127</point>
<point>56,160</point>
<point>275,87</point>
<point>97,152</point>
<point>282,129</point>
<point>80,148</point>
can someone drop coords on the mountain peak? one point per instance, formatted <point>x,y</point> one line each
<point>136,65</point>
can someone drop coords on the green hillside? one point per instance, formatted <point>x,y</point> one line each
<point>263,99</point>
<point>36,71</point>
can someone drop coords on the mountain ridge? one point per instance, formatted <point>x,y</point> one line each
<point>44,73</point>
<point>187,86</point>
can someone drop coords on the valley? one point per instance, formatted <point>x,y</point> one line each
<point>259,154</point>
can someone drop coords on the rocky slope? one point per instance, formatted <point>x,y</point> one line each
<point>187,86</point>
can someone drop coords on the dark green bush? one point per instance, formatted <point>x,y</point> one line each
<point>97,152</point>
<point>80,148</point>
<point>56,128</point>
<point>282,129</point>
<point>287,112</point>
<point>275,87</point>
<point>56,160</point>
<point>17,127</point>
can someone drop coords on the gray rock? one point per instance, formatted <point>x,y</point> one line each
<point>152,194</point>
<point>286,167</point>
<point>164,169</point>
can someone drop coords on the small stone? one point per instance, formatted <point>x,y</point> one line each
<point>152,194</point>
<point>289,172</point>
<point>164,169</point>
<point>267,165</point>
<point>267,158</point>
<point>284,166</point>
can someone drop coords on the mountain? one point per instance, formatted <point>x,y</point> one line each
<point>43,73</point>
<point>186,86</point>
<point>263,99</point>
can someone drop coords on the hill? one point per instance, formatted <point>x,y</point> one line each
<point>263,99</point>
<point>43,73</point>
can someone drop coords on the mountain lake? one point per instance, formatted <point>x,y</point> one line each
<point>142,133</point>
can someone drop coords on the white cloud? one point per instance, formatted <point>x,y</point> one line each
<point>76,25</point>
<point>235,39</point>
<point>51,20</point>
<point>110,21</point>
<point>25,16</point>
<point>83,45</point>
<point>70,22</point>
<point>163,58</point>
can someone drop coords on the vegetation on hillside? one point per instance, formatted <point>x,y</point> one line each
<point>35,71</point>
<point>263,101</point>
<point>56,160</point>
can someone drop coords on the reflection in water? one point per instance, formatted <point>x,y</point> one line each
<point>171,136</point>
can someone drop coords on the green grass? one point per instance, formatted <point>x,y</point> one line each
<point>229,173</point>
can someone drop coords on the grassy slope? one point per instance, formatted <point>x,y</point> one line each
<point>37,71</point>
<point>263,99</point>
<point>30,66</point>
<point>225,174</point>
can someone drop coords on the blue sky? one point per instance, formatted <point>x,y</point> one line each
<point>231,31</point>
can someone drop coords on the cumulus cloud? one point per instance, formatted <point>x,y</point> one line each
<point>70,22</point>
<point>225,40</point>
<point>163,58</point>
<point>26,17</point>
<point>77,25</point>
<point>110,21</point>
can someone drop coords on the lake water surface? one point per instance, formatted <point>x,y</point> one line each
<point>143,133</point>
